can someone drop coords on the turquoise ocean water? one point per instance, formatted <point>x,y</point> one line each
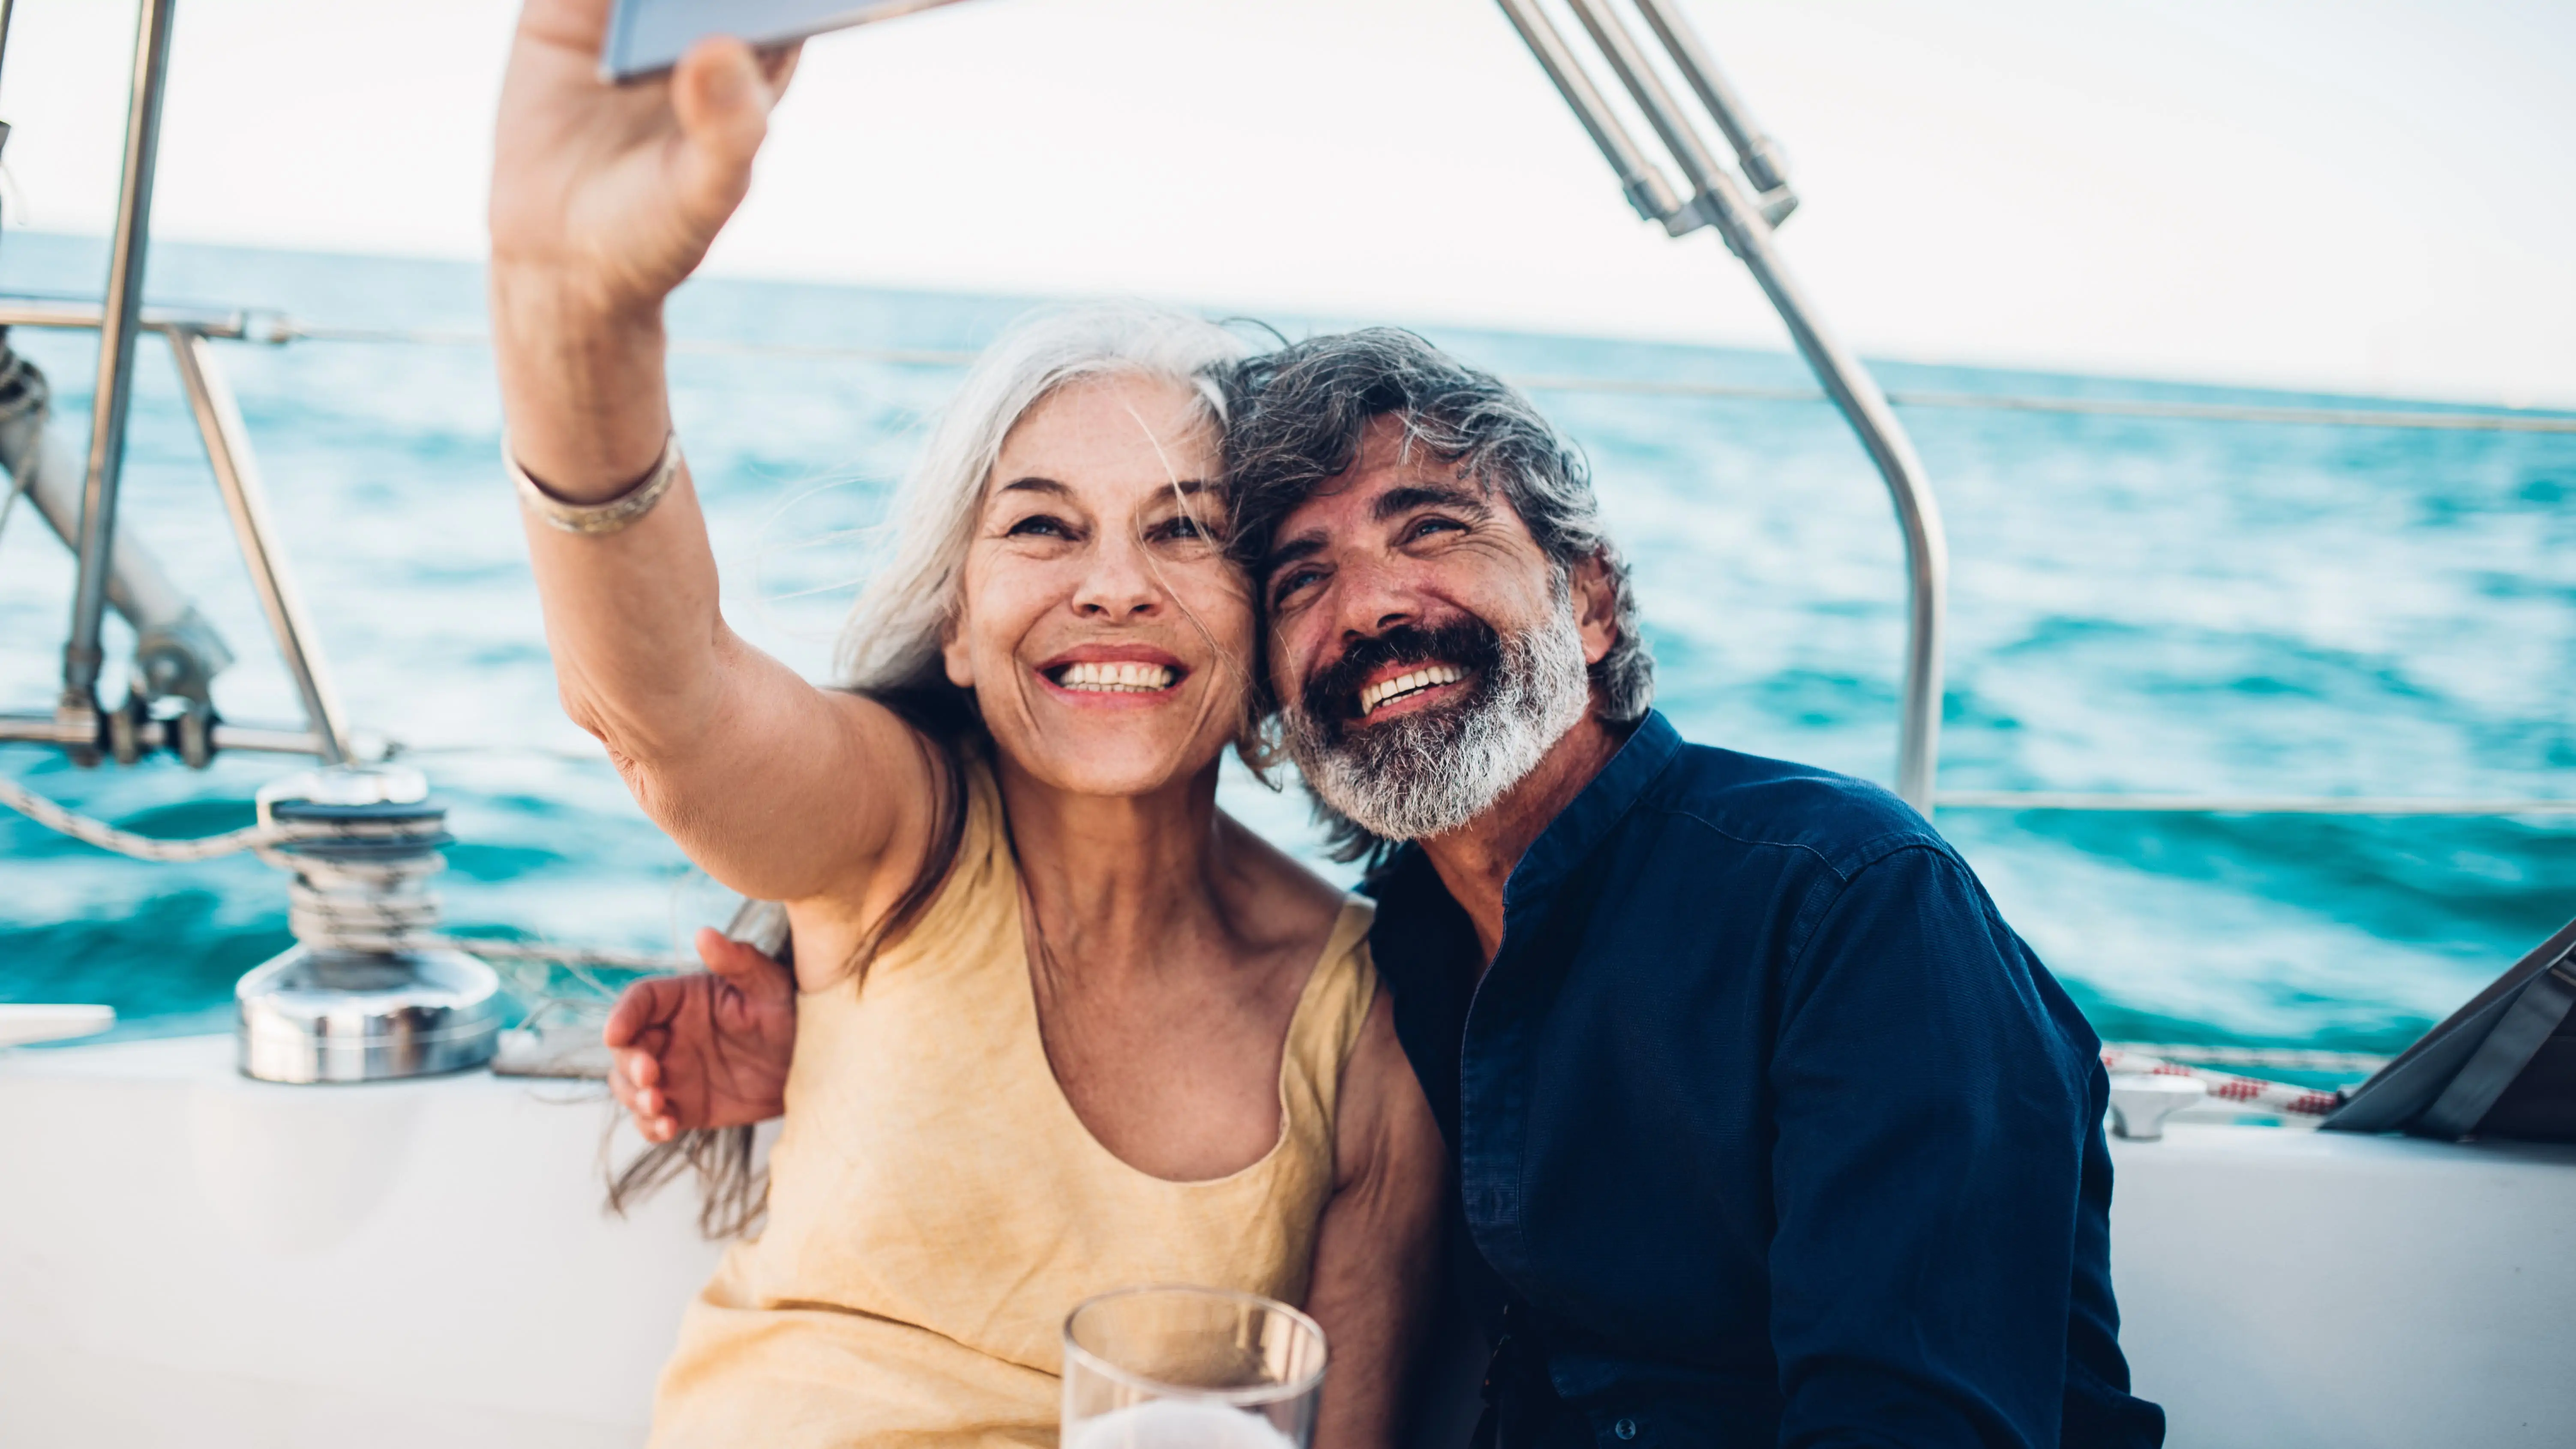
<point>2137,605</point>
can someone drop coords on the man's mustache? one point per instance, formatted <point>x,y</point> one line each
<point>1331,697</point>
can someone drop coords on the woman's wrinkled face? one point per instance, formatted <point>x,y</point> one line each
<point>1103,629</point>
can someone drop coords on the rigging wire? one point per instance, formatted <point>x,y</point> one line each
<point>2465,419</point>
<point>2293,1059</point>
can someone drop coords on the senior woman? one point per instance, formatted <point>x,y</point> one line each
<point>1063,1025</point>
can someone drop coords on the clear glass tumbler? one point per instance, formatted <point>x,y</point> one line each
<point>1190,1368</point>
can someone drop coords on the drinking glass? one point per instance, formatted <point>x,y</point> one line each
<point>1190,1368</point>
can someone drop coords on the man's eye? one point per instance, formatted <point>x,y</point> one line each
<point>1292,582</point>
<point>1425,527</point>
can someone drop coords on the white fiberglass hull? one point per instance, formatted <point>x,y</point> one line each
<point>190,1257</point>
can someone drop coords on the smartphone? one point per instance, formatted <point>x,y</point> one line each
<point>646,37</point>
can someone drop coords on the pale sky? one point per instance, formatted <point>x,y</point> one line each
<point>2376,195</point>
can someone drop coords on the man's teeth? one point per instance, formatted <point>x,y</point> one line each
<point>1117,678</point>
<point>1403,684</point>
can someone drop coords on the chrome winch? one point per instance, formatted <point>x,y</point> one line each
<point>368,992</point>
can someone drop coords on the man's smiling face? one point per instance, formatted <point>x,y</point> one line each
<point>1425,650</point>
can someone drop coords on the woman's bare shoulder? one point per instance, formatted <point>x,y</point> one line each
<point>1279,898</point>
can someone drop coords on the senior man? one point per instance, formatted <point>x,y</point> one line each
<point>1768,1130</point>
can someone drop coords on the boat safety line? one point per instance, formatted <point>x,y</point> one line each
<point>2297,1059</point>
<point>2110,803</point>
<point>2466,419</point>
<point>2252,1092</point>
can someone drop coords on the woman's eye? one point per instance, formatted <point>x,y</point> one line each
<point>1181,527</point>
<point>1038,525</point>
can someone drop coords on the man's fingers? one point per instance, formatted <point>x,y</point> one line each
<point>627,1069</point>
<point>643,1099</point>
<point>633,1012</point>
<point>641,1007</point>
<point>743,967</point>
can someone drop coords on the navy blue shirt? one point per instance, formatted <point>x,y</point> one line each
<point>1767,1129</point>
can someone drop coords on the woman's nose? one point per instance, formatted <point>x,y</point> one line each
<point>1119,584</point>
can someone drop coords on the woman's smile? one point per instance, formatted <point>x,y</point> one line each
<point>1113,676</point>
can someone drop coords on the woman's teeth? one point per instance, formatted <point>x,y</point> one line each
<point>1117,678</point>
<point>1387,690</point>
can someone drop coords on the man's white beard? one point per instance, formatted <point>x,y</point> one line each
<point>1431,772</point>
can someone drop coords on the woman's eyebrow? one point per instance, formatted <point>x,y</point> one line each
<point>1187,487</point>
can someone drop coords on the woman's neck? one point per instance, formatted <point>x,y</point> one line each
<point>1111,876</point>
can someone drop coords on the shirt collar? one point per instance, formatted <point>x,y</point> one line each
<point>1567,839</point>
<point>1594,813</point>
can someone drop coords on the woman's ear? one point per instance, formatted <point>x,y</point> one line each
<point>1596,607</point>
<point>952,654</point>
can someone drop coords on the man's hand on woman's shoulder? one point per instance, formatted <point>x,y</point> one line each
<point>709,1049</point>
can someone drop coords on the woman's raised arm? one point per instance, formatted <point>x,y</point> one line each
<point>604,198</point>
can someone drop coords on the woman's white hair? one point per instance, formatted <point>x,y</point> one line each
<point>892,638</point>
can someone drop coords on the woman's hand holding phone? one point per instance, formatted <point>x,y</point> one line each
<point>604,198</point>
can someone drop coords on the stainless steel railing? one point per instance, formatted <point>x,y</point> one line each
<point>1744,222</point>
<point>93,733</point>
<point>78,710</point>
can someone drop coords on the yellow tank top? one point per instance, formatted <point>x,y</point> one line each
<point>936,1208</point>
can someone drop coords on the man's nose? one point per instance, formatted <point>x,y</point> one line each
<point>1372,599</point>
<point>1119,583</point>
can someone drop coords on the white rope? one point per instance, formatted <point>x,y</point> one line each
<point>351,917</point>
<point>141,847</point>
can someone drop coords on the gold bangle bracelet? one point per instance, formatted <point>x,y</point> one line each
<point>594,518</point>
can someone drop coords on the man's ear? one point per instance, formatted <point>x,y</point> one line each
<point>1596,606</point>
